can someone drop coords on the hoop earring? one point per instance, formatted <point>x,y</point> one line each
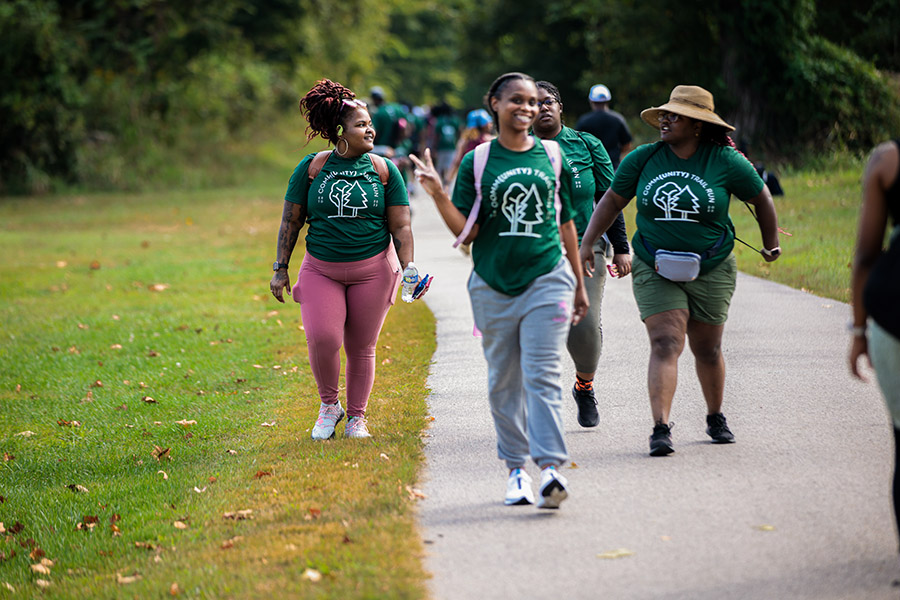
<point>337,147</point>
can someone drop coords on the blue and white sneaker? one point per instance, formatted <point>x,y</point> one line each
<point>518,488</point>
<point>356,428</point>
<point>329,416</point>
<point>553,488</point>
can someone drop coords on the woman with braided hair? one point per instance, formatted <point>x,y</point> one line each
<point>358,245</point>
<point>526,285</point>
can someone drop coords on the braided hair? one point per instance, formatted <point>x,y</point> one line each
<point>322,106</point>
<point>497,88</point>
<point>716,134</point>
<point>553,91</point>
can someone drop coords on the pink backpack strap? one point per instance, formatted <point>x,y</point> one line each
<point>555,156</point>
<point>481,157</point>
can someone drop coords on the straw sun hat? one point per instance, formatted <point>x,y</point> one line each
<point>688,101</point>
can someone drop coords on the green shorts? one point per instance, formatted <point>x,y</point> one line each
<point>707,297</point>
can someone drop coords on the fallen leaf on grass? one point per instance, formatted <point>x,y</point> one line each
<point>77,488</point>
<point>232,452</point>
<point>83,326</point>
<point>764,527</point>
<point>261,474</point>
<point>148,400</point>
<point>9,587</point>
<point>122,406</point>
<point>230,543</point>
<point>16,528</point>
<point>2,528</point>
<point>38,554</point>
<point>160,453</point>
<point>165,476</point>
<point>116,347</point>
<point>64,423</point>
<point>258,367</point>
<point>126,579</point>
<point>312,575</point>
<point>239,515</point>
<point>620,553</point>
<point>198,490</point>
<point>97,383</point>
<point>47,563</point>
<point>159,287</point>
<point>153,354</point>
<point>174,590</point>
<point>386,361</point>
<point>272,424</point>
<point>314,513</point>
<point>42,583</point>
<point>95,264</point>
<point>385,456</point>
<point>25,434</point>
<point>8,457</point>
<point>415,494</point>
<point>145,545</point>
<point>41,569</point>
<point>180,525</point>
<point>186,423</point>
<point>88,398</point>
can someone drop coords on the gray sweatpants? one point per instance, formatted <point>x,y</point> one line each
<point>585,341</point>
<point>523,342</point>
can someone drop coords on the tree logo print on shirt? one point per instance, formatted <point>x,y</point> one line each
<point>676,202</point>
<point>522,207</point>
<point>342,196</point>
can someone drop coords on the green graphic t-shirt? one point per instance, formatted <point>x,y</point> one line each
<point>346,207</point>
<point>518,237</point>
<point>591,172</point>
<point>683,204</point>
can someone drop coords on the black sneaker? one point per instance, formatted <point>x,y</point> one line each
<point>661,440</point>
<point>587,407</point>
<point>717,429</point>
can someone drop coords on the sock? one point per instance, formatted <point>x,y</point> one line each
<point>583,385</point>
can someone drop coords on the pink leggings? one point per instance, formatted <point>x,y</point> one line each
<point>346,303</point>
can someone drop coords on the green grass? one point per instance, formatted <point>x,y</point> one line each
<point>108,299</point>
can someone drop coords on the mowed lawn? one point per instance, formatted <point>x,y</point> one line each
<point>156,404</point>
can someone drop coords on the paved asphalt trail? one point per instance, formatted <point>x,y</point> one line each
<point>799,507</point>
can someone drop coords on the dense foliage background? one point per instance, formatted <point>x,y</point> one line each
<point>123,93</point>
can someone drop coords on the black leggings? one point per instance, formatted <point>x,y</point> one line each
<point>896,491</point>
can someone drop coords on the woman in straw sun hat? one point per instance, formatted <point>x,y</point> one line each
<point>684,272</point>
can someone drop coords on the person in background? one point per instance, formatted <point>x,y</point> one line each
<point>358,243</point>
<point>444,134</point>
<point>524,293</point>
<point>479,129</point>
<point>606,125</point>
<point>389,122</point>
<point>684,272</point>
<point>876,288</point>
<point>592,173</point>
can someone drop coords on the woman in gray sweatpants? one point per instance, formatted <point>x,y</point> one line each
<point>513,200</point>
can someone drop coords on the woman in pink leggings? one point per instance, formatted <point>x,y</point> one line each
<point>358,246</point>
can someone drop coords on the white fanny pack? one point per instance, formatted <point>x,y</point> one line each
<point>678,266</point>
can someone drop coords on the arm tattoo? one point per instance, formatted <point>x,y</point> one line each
<point>292,219</point>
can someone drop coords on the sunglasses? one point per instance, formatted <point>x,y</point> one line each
<point>353,103</point>
<point>670,117</point>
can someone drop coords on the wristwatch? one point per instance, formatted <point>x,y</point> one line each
<point>773,252</point>
<point>277,265</point>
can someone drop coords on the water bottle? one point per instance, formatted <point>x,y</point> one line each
<point>410,281</point>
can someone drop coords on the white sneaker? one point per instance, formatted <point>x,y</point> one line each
<point>553,488</point>
<point>329,416</point>
<point>518,488</point>
<point>356,428</point>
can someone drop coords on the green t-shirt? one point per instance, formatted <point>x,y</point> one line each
<point>447,130</point>
<point>683,204</point>
<point>592,172</point>
<point>384,121</point>
<point>346,207</point>
<point>518,237</point>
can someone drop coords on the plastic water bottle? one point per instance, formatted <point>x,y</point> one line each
<point>410,280</point>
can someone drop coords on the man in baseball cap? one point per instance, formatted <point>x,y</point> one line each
<point>605,124</point>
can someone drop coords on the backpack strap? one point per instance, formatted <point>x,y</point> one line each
<point>318,161</point>
<point>378,162</point>
<point>482,151</point>
<point>555,156</point>
<point>380,167</point>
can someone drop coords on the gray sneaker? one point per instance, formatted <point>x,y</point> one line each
<point>356,428</point>
<point>329,416</point>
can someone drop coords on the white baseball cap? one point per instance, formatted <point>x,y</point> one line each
<point>599,93</point>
